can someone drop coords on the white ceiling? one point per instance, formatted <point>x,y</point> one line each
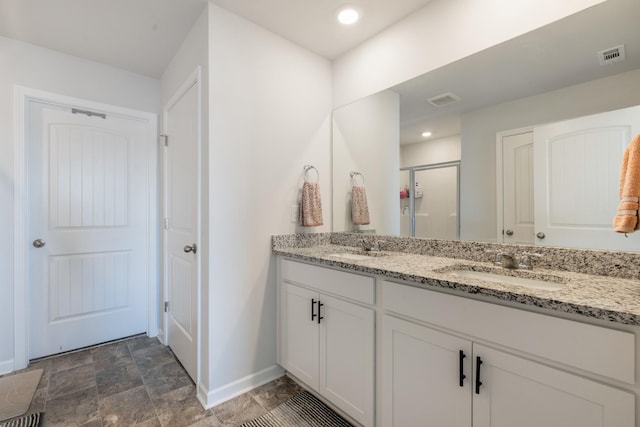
<point>137,35</point>
<point>558,55</point>
<point>143,35</point>
<point>312,23</point>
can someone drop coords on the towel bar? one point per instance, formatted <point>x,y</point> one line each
<point>307,168</point>
<point>354,175</point>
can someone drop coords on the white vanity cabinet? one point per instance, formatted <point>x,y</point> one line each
<point>327,334</point>
<point>447,361</point>
<point>518,392</point>
<point>421,376</point>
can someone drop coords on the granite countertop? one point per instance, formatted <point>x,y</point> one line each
<point>600,297</point>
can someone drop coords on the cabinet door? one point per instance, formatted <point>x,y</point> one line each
<point>299,339</point>
<point>518,392</point>
<point>421,377</point>
<point>347,348</point>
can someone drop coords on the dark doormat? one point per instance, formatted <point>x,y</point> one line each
<point>303,410</point>
<point>31,420</point>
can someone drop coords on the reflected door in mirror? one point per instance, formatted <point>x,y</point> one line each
<point>517,182</point>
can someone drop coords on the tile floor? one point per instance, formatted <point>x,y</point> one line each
<point>138,382</point>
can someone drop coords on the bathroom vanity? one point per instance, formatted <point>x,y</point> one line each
<point>411,339</point>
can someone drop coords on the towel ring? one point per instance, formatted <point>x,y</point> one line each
<point>307,168</point>
<point>354,177</point>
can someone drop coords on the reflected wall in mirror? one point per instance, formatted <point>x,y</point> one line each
<point>548,75</point>
<point>365,140</point>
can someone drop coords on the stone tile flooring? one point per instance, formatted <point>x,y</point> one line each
<point>138,382</point>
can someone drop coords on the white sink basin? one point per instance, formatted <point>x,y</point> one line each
<point>353,257</point>
<point>511,280</point>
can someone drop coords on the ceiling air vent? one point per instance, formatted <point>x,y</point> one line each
<point>611,55</point>
<point>444,99</point>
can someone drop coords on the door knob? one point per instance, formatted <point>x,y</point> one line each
<point>191,248</point>
<point>38,243</point>
<point>540,235</point>
<point>509,232</point>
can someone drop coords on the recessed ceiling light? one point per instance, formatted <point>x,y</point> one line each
<point>348,15</point>
<point>426,134</point>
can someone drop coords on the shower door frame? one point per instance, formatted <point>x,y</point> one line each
<point>412,184</point>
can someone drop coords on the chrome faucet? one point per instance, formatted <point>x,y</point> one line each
<point>525,260</point>
<point>504,259</point>
<point>368,246</point>
<point>508,260</point>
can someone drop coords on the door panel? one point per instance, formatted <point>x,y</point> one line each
<point>181,210</point>
<point>300,333</point>
<point>88,201</point>
<point>517,182</point>
<point>347,348</point>
<point>577,171</point>
<point>420,376</point>
<point>519,392</point>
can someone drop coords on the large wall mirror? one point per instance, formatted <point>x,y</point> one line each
<point>549,75</point>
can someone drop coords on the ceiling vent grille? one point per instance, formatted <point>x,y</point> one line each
<point>611,55</point>
<point>444,99</point>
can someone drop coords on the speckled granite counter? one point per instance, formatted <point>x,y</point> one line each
<point>615,299</point>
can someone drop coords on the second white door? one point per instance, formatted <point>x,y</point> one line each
<point>182,118</point>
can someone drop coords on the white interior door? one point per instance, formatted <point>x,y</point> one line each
<point>182,118</point>
<point>517,183</point>
<point>88,221</point>
<point>577,171</point>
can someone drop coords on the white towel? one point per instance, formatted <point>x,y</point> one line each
<point>310,213</point>
<point>359,207</point>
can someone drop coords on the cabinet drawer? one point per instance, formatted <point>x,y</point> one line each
<point>596,349</point>
<point>347,285</point>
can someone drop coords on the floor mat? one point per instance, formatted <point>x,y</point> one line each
<point>303,410</point>
<point>16,392</point>
<point>31,420</point>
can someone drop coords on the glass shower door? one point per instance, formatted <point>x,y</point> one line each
<point>430,207</point>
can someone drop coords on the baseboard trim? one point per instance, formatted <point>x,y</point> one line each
<point>6,366</point>
<point>209,399</point>
<point>160,336</point>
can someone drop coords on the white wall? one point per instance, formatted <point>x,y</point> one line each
<point>429,152</point>
<point>477,172</point>
<point>440,33</point>
<point>270,105</point>
<point>34,67</point>
<point>366,139</point>
<point>193,53</point>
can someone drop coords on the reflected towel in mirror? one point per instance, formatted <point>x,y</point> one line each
<point>626,220</point>
<point>359,207</point>
<point>310,213</point>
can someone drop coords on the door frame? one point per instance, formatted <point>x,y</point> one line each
<point>22,97</point>
<point>412,184</point>
<point>500,177</point>
<point>194,79</point>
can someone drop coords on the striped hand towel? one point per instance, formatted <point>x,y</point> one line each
<point>359,207</point>
<point>310,213</point>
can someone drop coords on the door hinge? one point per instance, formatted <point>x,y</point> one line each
<point>166,306</point>
<point>166,223</point>
<point>166,139</point>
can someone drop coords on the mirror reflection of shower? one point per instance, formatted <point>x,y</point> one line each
<point>429,201</point>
